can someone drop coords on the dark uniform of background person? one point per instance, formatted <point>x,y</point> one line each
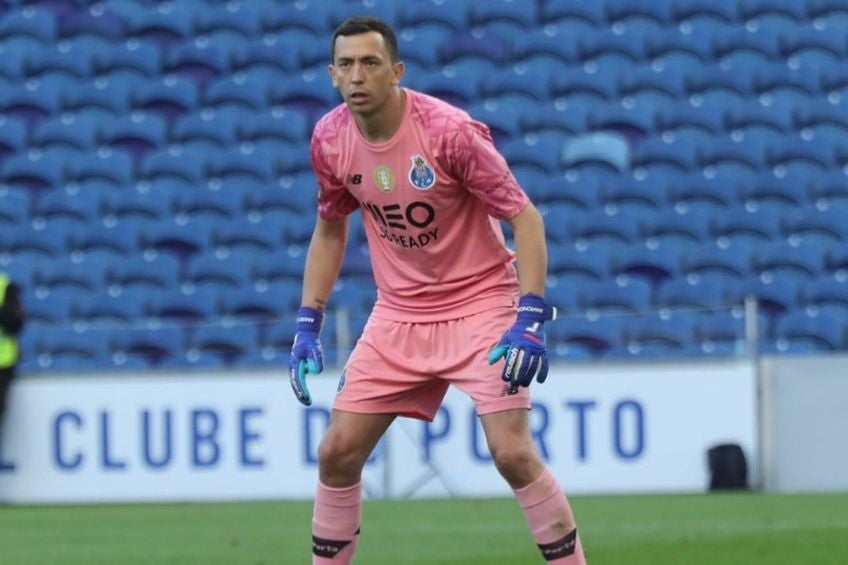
<point>11,324</point>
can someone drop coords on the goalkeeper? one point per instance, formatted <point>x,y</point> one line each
<point>451,307</point>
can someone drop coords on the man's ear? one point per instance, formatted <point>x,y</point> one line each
<point>331,71</point>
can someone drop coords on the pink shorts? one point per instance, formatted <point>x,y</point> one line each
<point>405,368</point>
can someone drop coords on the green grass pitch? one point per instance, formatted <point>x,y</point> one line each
<point>715,529</point>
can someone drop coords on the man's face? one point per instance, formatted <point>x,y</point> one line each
<point>363,72</point>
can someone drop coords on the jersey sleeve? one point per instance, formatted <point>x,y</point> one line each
<point>478,165</point>
<point>334,199</point>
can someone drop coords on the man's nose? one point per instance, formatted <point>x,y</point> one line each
<point>356,74</point>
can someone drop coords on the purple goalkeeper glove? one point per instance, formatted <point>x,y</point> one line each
<point>306,356</point>
<point>523,345</point>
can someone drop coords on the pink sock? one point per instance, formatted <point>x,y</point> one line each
<point>335,524</point>
<point>551,521</point>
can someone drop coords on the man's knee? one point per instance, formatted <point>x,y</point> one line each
<point>518,463</point>
<point>341,453</point>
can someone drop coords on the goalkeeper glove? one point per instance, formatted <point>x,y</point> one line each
<point>306,356</point>
<point>523,345</point>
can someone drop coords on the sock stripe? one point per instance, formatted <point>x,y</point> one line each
<point>563,547</point>
<point>328,548</point>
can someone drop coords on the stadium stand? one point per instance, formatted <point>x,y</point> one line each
<point>154,168</point>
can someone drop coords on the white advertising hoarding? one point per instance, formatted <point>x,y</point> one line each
<point>601,429</point>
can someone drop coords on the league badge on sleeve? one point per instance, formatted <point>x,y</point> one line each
<point>421,174</point>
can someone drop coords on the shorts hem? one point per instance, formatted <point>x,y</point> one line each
<point>360,408</point>
<point>503,404</point>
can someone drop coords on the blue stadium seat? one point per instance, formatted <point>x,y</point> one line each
<point>358,295</point>
<point>577,86</point>
<point>452,15</point>
<point>794,153</point>
<point>88,276</point>
<point>655,156</point>
<point>73,61</point>
<point>821,227</point>
<point>142,275</point>
<point>630,195</point>
<point>681,116</point>
<point>600,226</point>
<point>740,48</point>
<point>775,297</point>
<point>31,103</point>
<point>783,260</point>
<point>12,136</point>
<point>725,87</point>
<point>604,151</point>
<point>780,84</point>
<point>181,241</point>
<point>609,48</point>
<point>286,126</point>
<point>723,154</point>
<point>811,47</point>
<point>49,309</point>
<point>386,11</point>
<point>785,193</point>
<point>664,334</point>
<point>265,304</point>
<point>589,14</point>
<point>233,238</point>
<point>68,131</point>
<point>670,227</point>
<point>523,13</point>
<point>827,294</point>
<point>68,349</point>
<point>208,270</point>
<point>136,135</point>
<point>625,295</point>
<point>820,116</point>
<point>673,49</point>
<point>154,346</point>
<point>275,54</point>
<point>210,129</point>
<point>692,293</point>
<point>699,194</point>
<point>821,330</point>
<point>773,119</point>
<point>723,332</point>
<point>571,264</point>
<point>628,12</point>
<point>98,239</point>
<point>241,20</point>
<point>744,226</point>
<point>762,9</point>
<point>539,150</point>
<point>465,45</point>
<point>829,189</point>
<point>23,242</point>
<point>308,16</point>
<point>420,42</point>
<point>100,310</point>
<point>165,164</point>
<point>730,263</point>
<point>106,96</point>
<point>14,209</point>
<point>563,118</point>
<point>310,91</point>
<point>226,343</point>
<point>827,14</point>
<point>200,65</point>
<point>595,334</point>
<point>651,265</point>
<point>139,60</point>
<point>169,97</point>
<point>650,86</point>
<point>83,23</point>
<point>173,306</point>
<point>29,22</point>
<point>503,119</point>
<point>222,206</point>
<point>529,82</point>
<point>557,50</point>
<point>279,266</point>
<point>163,27</point>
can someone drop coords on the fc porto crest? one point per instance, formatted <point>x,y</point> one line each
<point>421,174</point>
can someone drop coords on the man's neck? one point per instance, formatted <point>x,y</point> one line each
<point>382,125</point>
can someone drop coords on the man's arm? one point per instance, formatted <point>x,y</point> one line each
<point>323,261</point>
<point>531,252</point>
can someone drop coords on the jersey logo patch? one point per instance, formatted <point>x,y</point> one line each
<point>384,178</point>
<point>421,174</point>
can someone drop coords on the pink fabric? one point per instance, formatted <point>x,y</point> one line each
<point>549,515</point>
<point>405,368</point>
<point>336,518</point>
<point>431,198</point>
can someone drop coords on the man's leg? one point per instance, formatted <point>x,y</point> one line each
<point>545,506</point>
<point>338,500</point>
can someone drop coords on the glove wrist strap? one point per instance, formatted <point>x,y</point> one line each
<point>309,319</point>
<point>532,306</point>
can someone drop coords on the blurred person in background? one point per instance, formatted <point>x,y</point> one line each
<point>452,307</point>
<point>11,324</point>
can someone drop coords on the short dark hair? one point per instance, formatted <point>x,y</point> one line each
<point>363,24</point>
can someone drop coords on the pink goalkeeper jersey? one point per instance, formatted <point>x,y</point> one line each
<point>431,198</point>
